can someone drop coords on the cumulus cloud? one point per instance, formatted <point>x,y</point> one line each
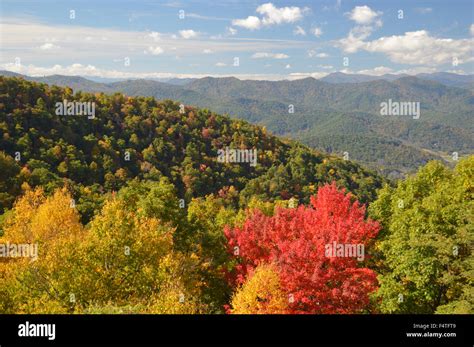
<point>154,50</point>
<point>312,53</point>
<point>207,51</point>
<point>188,34</point>
<point>368,20</point>
<point>154,35</point>
<point>317,32</point>
<point>355,40</point>
<point>251,23</point>
<point>271,15</point>
<point>363,15</point>
<point>471,29</point>
<point>221,64</point>
<point>299,31</point>
<point>231,31</point>
<point>262,55</point>
<point>48,46</point>
<point>419,47</point>
<point>275,15</point>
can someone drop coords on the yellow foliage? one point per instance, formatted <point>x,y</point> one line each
<point>122,259</point>
<point>49,228</point>
<point>174,300</point>
<point>261,294</point>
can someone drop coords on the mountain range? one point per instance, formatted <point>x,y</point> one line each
<point>339,113</point>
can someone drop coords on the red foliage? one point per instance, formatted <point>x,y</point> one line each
<point>295,241</point>
<point>206,133</point>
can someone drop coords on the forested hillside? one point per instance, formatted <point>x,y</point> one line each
<point>131,209</point>
<point>144,138</point>
<point>332,117</point>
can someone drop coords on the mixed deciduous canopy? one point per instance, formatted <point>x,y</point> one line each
<point>130,212</point>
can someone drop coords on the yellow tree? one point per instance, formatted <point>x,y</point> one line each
<point>128,259</point>
<point>261,293</point>
<point>39,234</point>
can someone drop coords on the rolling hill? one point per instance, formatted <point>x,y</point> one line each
<point>337,116</point>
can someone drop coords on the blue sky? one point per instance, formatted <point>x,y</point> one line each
<point>271,39</point>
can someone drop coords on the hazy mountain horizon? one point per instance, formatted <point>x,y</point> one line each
<point>444,77</point>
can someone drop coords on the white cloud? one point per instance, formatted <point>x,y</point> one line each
<point>300,75</point>
<point>207,51</point>
<point>299,31</point>
<point>231,31</point>
<point>353,42</point>
<point>271,15</point>
<point>327,67</point>
<point>155,35</point>
<point>382,70</point>
<point>198,16</point>
<point>312,53</point>
<point>262,55</point>
<point>154,50</point>
<point>416,70</point>
<point>414,48</point>
<point>471,29</point>
<point>275,15</point>
<point>317,32</point>
<point>251,23</point>
<point>188,34</point>
<point>221,64</point>
<point>418,47</point>
<point>363,15</point>
<point>377,71</point>
<point>288,66</point>
<point>367,21</point>
<point>423,10</point>
<point>48,46</point>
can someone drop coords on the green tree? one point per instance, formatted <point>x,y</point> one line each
<point>9,184</point>
<point>425,246</point>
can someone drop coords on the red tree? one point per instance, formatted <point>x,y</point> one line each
<point>295,241</point>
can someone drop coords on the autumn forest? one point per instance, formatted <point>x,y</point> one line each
<point>133,211</point>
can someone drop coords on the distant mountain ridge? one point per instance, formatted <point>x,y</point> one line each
<point>338,116</point>
<point>447,78</point>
